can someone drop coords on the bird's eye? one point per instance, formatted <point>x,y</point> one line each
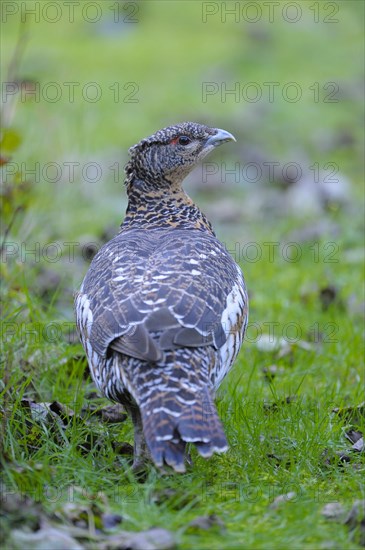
<point>184,140</point>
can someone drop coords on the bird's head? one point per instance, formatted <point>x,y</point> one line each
<point>167,157</point>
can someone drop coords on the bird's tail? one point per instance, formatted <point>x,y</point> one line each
<point>178,408</point>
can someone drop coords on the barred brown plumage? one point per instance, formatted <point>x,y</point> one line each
<point>163,308</point>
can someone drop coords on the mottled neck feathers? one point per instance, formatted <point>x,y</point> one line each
<point>161,206</point>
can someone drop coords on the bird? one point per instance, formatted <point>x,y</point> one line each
<point>163,308</point>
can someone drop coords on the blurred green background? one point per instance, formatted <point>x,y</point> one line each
<point>92,79</point>
<point>105,75</point>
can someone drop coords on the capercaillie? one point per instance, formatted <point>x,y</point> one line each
<point>163,308</point>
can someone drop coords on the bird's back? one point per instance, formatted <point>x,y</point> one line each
<point>181,283</point>
<point>162,314</point>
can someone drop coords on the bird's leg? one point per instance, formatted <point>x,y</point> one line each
<point>141,454</point>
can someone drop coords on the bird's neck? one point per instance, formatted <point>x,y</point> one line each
<point>158,208</point>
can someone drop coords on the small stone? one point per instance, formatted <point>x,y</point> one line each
<point>355,521</point>
<point>207,522</point>
<point>153,539</point>
<point>270,343</point>
<point>282,499</point>
<point>356,514</point>
<point>45,538</point>
<point>333,511</point>
<point>111,520</point>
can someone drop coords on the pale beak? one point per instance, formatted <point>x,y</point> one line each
<point>220,137</point>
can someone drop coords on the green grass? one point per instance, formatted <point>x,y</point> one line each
<point>277,445</point>
<point>274,450</point>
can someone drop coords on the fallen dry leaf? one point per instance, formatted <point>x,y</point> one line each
<point>327,296</point>
<point>113,414</point>
<point>271,371</point>
<point>359,445</point>
<point>276,405</point>
<point>353,436</point>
